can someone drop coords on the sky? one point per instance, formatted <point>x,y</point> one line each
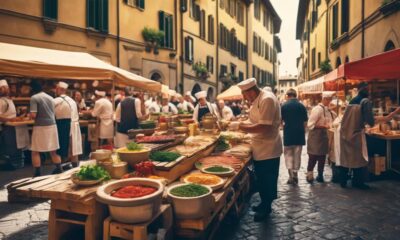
<point>287,10</point>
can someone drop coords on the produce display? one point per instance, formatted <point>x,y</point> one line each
<point>199,140</point>
<point>221,160</point>
<point>92,172</point>
<point>186,150</point>
<point>132,146</point>
<point>164,156</point>
<point>144,168</point>
<point>217,169</point>
<point>239,151</point>
<point>147,124</point>
<point>222,144</point>
<point>155,139</point>
<point>203,179</point>
<point>189,190</point>
<point>232,135</point>
<point>133,191</point>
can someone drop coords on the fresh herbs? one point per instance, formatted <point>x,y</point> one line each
<point>217,169</point>
<point>161,156</point>
<point>93,172</point>
<point>133,146</point>
<point>222,144</point>
<point>189,190</point>
<point>147,125</point>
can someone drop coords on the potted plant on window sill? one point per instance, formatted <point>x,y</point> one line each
<point>326,66</point>
<point>153,38</point>
<point>201,70</point>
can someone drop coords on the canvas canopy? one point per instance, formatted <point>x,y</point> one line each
<point>312,87</point>
<point>231,94</point>
<point>18,60</point>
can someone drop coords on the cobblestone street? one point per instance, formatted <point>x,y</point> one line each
<point>318,211</point>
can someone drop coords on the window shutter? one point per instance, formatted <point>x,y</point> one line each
<point>90,13</point>
<point>197,12</point>
<point>170,32</point>
<point>104,16</point>
<point>184,5</point>
<point>187,49</point>
<point>161,26</point>
<point>50,9</point>
<point>140,4</point>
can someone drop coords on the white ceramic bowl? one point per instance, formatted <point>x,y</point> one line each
<point>191,207</point>
<point>132,210</point>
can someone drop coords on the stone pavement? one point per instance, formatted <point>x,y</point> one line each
<point>318,211</point>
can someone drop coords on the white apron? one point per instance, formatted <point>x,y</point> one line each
<point>45,138</point>
<point>22,137</point>
<point>76,139</point>
<point>106,128</point>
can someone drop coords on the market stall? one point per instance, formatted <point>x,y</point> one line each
<point>199,174</point>
<point>231,94</point>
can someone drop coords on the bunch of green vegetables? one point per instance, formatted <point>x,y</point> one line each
<point>190,190</point>
<point>163,156</point>
<point>93,172</point>
<point>222,144</point>
<point>133,146</point>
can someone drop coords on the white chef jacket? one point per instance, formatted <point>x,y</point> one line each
<point>82,104</point>
<point>137,109</point>
<point>185,106</point>
<point>169,108</point>
<point>266,110</point>
<point>103,109</point>
<point>211,106</point>
<point>63,107</point>
<point>7,108</point>
<point>154,107</point>
<point>320,116</point>
<point>227,113</point>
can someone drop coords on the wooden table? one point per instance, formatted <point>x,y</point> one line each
<point>71,205</point>
<point>388,139</point>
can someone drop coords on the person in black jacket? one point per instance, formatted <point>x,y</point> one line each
<point>294,118</point>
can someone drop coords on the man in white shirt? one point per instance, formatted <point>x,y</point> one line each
<point>183,104</point>
<point>103,110</point>
<point>67,120</point>
<point>127,115</point>
<point>190,99</point>
<point>79,101</point>
<point>265,119</point>
<point>203,107</point>
<point>9,149</point>
<point>168,107</point>
<point>320,120</point>
<point>226,112</point>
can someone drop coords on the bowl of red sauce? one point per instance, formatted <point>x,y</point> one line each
<point>133,200</point>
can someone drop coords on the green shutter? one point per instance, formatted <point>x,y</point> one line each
<point>140,4</point>
<point>171,32</point>
<point>161,25</point>
<point>50,9</point>
<point>104,16</point>
<point>90,9</point>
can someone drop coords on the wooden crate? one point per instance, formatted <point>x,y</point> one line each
<point>377,165</point>
<point>163,220</point>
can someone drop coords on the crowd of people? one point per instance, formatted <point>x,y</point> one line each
<point>56,129</point>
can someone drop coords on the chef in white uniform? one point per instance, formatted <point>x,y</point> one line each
<point>12,139</point>
<point>225,112</point>
<point>184,105</point>
<point>103,110</point>
<point>266,142</point>
<point>190,99</point>
<point>167,106</point>
<point>70,137</point>
<point>203,107</point>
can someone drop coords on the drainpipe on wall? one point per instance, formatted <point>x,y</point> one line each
<point>176,44</point>
<point>362,28</point>
<point>327,32</point>
<point>181,57</point>
<point>248,34</point>
<point>118,33</point>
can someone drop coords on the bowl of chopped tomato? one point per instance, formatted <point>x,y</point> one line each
<point>133,200</point>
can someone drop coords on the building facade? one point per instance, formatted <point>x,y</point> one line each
<point>285,83</point>
<point>189,45</point>
<point>333,32</point>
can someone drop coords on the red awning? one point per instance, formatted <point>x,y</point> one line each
<point>384,66</point>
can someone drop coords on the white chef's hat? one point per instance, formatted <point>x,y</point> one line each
<point>178,95</point>
<point>247,84</point>
<point>328,94</point>
<point>100,93</point>
<point>172,92</point>
<point>267,89</point>
<point>201,94</point>
<point>3,83</point>
<point>63,85</point>
<point>188,93</point>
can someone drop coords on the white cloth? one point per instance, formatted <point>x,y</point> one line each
<point>201,94</point>
<point>170,108</point>
<point>63,107</point>
<point>293,157</point>
<point>335,153</point>
<point>138,110</point>
<point>104,111</point>
<point>320,116</point>
<point>75,132</point>
<point>266,110</point>
<point>45,138</point>
<point>227,113</point>
<point>211,107</point>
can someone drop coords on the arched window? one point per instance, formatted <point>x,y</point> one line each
<point>338,62</point>
<point>346,60</point>
<point>210,94</point>
<point>156,77</point>
<point>389,46</point>
<point>196,88</point>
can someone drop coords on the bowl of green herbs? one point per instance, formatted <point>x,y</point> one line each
<point>220,170</point>
<point>191,201</point>
<point>164,156</point>
<point>133,153</point>
<point>90,175</point>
